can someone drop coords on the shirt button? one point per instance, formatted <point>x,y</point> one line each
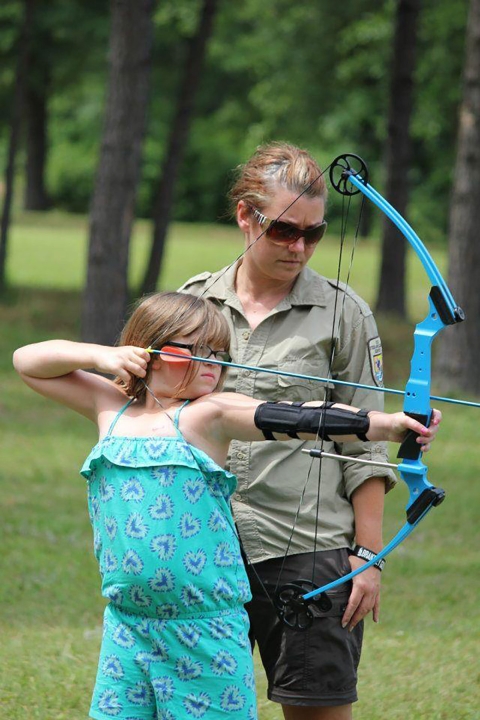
<point>246,334</point>
<point>237,496</point>
<point>241,456</point>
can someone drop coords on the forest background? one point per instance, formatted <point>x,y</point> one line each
<point>120,124</point>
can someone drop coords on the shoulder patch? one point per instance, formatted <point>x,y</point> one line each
<point>375,354</point>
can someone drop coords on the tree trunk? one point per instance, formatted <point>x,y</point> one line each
<point>36,197</point>
<point>113,203</point>
<point>460,345</point>
<point>391,293</point>
<point>24,47</point>
<point>177,142</point>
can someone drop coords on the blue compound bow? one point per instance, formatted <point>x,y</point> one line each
<point>295,601</point>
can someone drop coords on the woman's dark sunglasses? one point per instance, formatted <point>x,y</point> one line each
<point>282,233</point>
<point>181,352</point>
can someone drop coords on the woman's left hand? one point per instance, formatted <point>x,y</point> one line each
<point>365,595</point>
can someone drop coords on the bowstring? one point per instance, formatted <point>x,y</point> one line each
<point>320,432</point>
<point>207,289</point>
<point>321,429</point>
<point>322,424</point>
<point>335,331</point>
<point>320,435</point>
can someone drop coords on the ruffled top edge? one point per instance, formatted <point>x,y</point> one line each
<point>152,451</point>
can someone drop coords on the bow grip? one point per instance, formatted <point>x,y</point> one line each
<point>410,449</point>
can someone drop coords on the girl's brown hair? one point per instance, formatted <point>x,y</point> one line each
<point>272,165</point>
<point>161,317</point>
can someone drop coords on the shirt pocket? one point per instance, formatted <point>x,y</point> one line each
<point>305,389</point>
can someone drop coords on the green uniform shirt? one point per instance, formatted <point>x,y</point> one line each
<point>296,336</point>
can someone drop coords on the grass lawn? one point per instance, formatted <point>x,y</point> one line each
<point>420,662</point>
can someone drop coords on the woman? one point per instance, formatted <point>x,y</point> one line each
<point>282,316</point>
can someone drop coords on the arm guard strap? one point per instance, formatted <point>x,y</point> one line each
<point>320,421</point>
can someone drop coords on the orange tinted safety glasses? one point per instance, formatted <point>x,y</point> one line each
<point>182,352</point>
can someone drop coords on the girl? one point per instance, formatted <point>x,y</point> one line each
<point>175,639</point>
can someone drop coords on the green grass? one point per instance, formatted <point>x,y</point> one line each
<point>49,250</point>
<point>420,662</point>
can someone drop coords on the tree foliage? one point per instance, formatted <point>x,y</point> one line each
<point>313,73</point>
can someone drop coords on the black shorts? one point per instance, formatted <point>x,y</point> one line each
<point>317,666</point>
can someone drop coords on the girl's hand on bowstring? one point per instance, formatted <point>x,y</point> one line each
<point>57,370</point>
<point>121,361</point>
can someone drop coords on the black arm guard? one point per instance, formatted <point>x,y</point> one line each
<point>320,421</point>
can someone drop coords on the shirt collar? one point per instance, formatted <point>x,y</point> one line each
<point>308,289</point>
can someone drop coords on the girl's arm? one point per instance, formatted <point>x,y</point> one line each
<point>238,418</point>
<point>56,369</point>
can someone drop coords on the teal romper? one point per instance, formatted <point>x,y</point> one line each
<point>175,642</point>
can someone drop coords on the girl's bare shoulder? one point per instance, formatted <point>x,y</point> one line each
<point>224,404</point>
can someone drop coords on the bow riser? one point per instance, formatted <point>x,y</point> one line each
<point>417,391</point>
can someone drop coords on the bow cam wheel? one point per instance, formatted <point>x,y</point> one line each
<point>342,168</point>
